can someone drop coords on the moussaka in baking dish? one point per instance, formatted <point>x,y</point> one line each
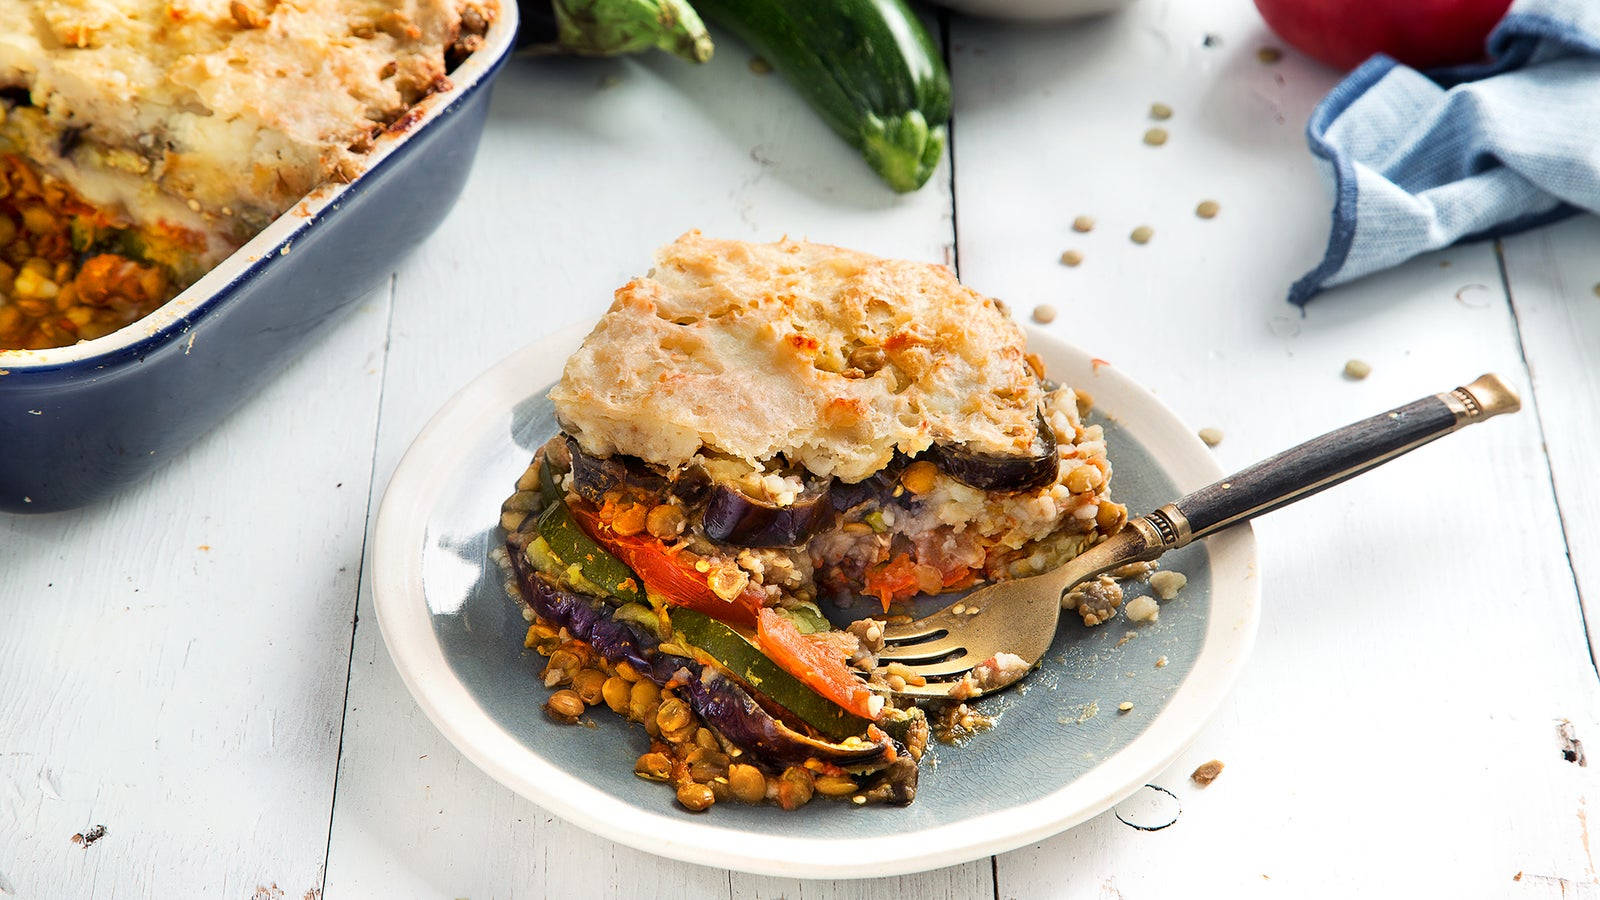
<point>142,141</point>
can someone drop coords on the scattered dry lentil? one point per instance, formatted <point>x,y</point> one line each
<point>1357,369</point>
<point>1044,314</point>
<point>1073,257</point>
<point>1155,137</point>
<point>1211,436</point>
<point>1208,209</point>
<point>1207,772</point>
<point>1124,706</point>
<point>760,66</point>
<point>1083,224</point>
<point>1269,55</point>
<point>1160,112</point>
<point>1142,234</point>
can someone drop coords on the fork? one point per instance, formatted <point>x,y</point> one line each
<point>1019,617</point>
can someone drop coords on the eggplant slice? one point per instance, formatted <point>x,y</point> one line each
<point>593,477</point>
<point>734,517</point>
<point>1002,472</point>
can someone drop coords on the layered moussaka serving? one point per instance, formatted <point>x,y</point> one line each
<point>759,440</point>
<point>141,141</point>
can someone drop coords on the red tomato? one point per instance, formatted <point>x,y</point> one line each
<point>816,668</point>
<point>1423,34</point>
<point>671,576</point>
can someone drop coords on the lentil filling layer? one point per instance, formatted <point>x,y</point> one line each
<point>67,272</point>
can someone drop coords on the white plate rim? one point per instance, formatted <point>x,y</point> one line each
<point>404,621</point>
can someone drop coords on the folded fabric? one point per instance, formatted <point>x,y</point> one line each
<point>1420,162</point>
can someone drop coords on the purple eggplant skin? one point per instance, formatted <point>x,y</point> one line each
<point>1002,472</point>
<point>719,701</point>
<point>734,517</point>
<point>593,477</point>
<point>878,486</point>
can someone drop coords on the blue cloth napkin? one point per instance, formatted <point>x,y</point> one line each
<point>1419,162</point>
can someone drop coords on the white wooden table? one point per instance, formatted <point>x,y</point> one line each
<point>195,665</point>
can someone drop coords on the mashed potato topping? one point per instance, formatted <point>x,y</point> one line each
<point>833,358</point>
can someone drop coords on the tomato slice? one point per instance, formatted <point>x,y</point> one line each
<point>670,575</point>
<point>814,665</point>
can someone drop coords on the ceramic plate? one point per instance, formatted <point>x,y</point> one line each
<point>1060,753</point>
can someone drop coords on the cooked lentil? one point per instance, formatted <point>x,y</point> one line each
<point>795,787</point>
<point>1269,55</point>
<point>1208,209</point>
<point>1083,224</point>
<point>695,797</point>
<point>589,685</point>
<point>1160,112</point>
<point>1071,258</point>
<point>1155,137</point>
<point>760,66</point>
<point>747,783</point>
<point>655,766</point>
<point>1357,369</point>
<point>1211,436</point>
<point>617,692</point>
<point>1124,706</point>
<point>1044,314</point>
<point>835,785</point>
<point>564,706</point>
<point>1142,234</point>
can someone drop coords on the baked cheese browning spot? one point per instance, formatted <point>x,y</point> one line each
<point>832,358</point>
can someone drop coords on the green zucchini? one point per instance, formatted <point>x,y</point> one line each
<point>748,664</point>
<point>612,27</point>
<point>868,67</point>
<point>594,566</point>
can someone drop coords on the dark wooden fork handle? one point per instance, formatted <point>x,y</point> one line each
<point>1325,461</point>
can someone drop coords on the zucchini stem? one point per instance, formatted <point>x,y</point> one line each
<point>610,27</point>
<point>902,148</point>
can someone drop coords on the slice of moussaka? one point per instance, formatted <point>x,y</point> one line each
<point>758,440</point>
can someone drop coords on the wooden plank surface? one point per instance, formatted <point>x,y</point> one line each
<point>1395,731</point>
<point>587,167</point>
<point>172,664</point>
<point>1554,274</point>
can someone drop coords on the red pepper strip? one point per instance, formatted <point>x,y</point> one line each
<point>671,576</point>
<point>814,665</point>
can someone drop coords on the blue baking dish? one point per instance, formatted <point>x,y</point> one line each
<point>81,422</point>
